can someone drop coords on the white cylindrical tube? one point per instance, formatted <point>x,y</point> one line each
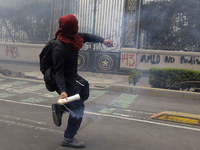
<point>69,99</point>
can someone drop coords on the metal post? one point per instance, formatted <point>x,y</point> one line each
<point>92,53</point>
<point>56,13</point>
<point>94,21</point>
<point>130,24</point>
<point>138,27</point>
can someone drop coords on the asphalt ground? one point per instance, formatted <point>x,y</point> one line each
<point>112,82</point>
<point>116,83</point>
<point>112,120</point>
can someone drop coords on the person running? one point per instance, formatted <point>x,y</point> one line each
<point>65,63</point>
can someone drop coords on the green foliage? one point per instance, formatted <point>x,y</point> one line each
<point>134,77</point>
<point>172,24</point>
<point>167,77</point>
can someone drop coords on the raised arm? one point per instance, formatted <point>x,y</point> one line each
<point>94,38</point>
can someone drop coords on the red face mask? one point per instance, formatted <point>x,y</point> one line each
<point>68,32</point>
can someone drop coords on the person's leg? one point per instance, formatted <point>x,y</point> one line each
<point>75,118</point>
<point>57,112</point>
<point>76,111</point>
<point>74,121</point>
<point>76,108</point>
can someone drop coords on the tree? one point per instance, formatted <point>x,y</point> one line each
<point>172,25</point>
<point>30,24</point>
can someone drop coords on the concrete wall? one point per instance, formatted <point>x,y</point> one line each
<point>20,52</point>
<point>130,58</point>
<point>145,59</point>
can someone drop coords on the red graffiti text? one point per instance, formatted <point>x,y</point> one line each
<point>128,58</point>
<point>13,50</point>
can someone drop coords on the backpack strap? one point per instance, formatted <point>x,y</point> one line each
<point>59,43</point>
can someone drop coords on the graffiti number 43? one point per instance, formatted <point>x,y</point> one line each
<point>128,58</point>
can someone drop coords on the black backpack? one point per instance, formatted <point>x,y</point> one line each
<point>46,64</point>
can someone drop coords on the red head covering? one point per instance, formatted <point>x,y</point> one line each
<point>68,32</point>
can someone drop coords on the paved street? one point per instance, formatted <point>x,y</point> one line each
<point>112,120</point>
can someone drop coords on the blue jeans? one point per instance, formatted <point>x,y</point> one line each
<point>76,108</point>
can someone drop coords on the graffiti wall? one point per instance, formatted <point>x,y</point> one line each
<point>128,59</point>
<point>20,52</point>
<point>145,59</point>
<point>87,60</point>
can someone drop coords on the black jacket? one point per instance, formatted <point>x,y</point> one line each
<point>65,61</point>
